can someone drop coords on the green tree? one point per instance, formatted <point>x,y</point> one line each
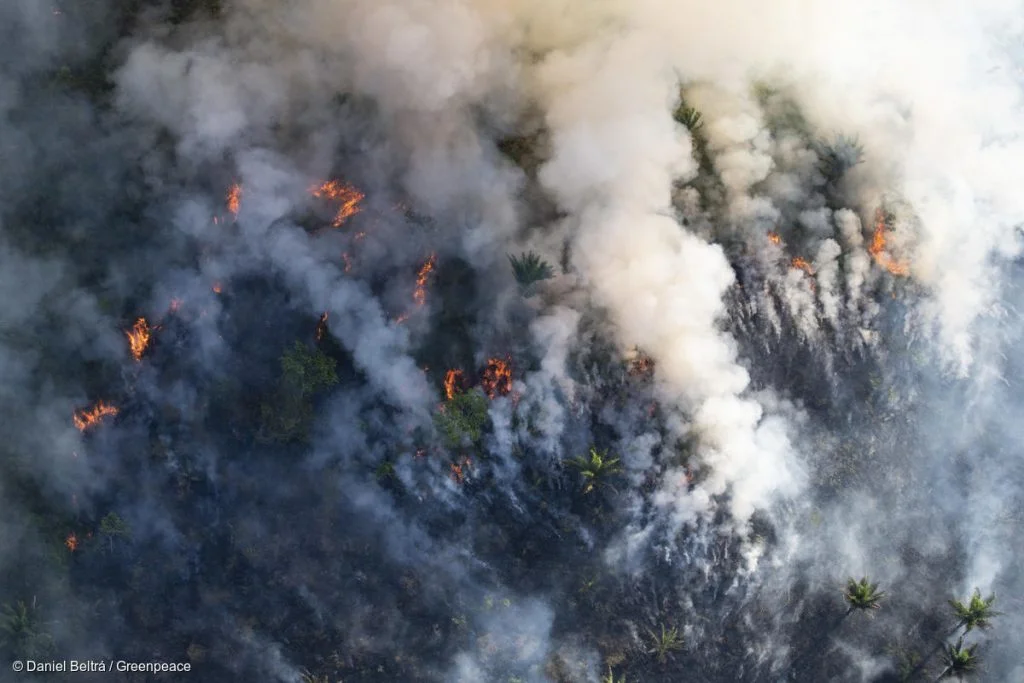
<point>595,468</point>
<point>462,417</point>
<point>976,612</point>
<point>959,661</point>
<point>664,644</point>
<point>21,631</point>
<point>530,269</point>
<point>304,373</point>
<point>112,526</point>
<point>862,595</point>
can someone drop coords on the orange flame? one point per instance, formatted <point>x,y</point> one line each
<point>349,196</point>
<point>321,327</point>
<point>71,542</point>
<point>217,288</point>
<point>802,264</point>
<point>458,472</point>
<point>84,419</point>
<point>774,238</point>
<point>138,338</point>
<point>420,294</point>
<point>497,378</point>
<point>877,248</point>
<point>234,199</point>
<point>642,365</point>
<point>452,383</point>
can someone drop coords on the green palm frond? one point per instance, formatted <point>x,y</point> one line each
<point>529,268</point>
<point>959,660</point>
<point>665,643</point>
<point>976,612</point>
<point>595,467</point>
<point>863,594</point>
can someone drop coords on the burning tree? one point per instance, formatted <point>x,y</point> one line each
<point>87,418</point>
<point>138,338</point>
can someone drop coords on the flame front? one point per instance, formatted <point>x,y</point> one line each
<point>71,542</point>
<point>87,418</point>
<point>774,238</point>
<point>802,264</point>
<point>497,378</point>
<point>234,199</point>
<point>138,338</point>
<point>458,470</point>
<point>877,248</point>
<point>452,383</point>
<point>349,196</point>
<point>420,294</point>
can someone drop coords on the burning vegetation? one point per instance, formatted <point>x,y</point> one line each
<point>497,378</point>
<point>420,293</point>
<point>90,417</point>
<point>877,249</point>
<point>347,197</point>
<point>138,338</point>
<point>453,380</point>
<point>234,199</point>
<point>321,327</point>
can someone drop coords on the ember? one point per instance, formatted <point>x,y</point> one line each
<point>71,542</point>
<point>774,238</point>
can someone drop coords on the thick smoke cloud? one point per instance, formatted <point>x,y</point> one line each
<point>771,345</point>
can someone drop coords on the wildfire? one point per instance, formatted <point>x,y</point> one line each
<point>641,365</point>
<point>217,288</point>
<point>420,294</point>
<point>234,199</point>
<point>497,378</point>
<point>349,196</point>
<point>774,238</point>
<point>71,542</point>
<point>347,261</point>
<point>321,327</point>
<point>138,338</point>
<point>802,264</point>
<point>84,419</point>
<point>877,248</point>
<point>458,470</point>
<point>452,383</point>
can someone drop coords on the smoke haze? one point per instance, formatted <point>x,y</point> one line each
<point>501,341</point>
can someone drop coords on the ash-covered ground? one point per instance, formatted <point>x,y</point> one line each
<point>520,341</point>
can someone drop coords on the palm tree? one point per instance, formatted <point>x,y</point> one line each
<point>529,269</point>
<point>959,661</point>
<point>665,644</point>
<point>977,612</point>
<point>862,595</point>
<point>595,468</point>
<point>610,677</point>
<point>689,117</point>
